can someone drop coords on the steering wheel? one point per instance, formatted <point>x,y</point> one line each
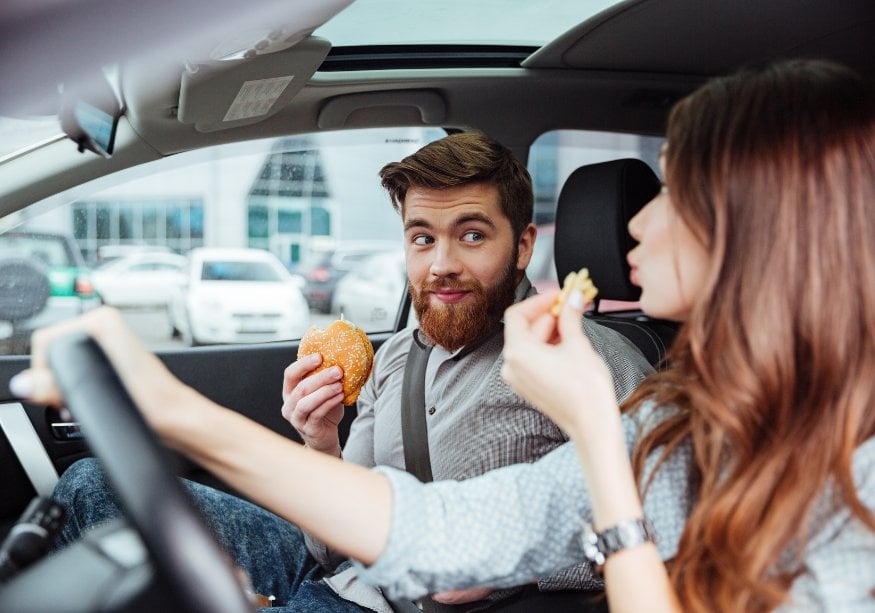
<point>184,555</point>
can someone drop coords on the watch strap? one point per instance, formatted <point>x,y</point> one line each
<point>599,546</point>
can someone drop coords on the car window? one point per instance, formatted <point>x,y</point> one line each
<point>304,199</point>
<point>239,271</point>
<point>313,201</point>
<point>552,159</point>
<point>46,249</point>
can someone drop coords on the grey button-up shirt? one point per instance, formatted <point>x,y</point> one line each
<point>477,423</point>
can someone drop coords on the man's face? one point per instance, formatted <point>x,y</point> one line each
<point>462,260</point>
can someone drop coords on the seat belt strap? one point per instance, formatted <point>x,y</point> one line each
<point>414,434</point>
<point>414,430</point>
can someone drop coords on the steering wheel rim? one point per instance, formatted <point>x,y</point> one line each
<point>138,470</point>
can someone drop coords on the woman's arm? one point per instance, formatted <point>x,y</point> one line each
<point>553,365</point>
<point>307,487</point>
<point>503,528</point>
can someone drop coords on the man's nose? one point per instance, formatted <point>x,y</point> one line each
<point>445,261</point>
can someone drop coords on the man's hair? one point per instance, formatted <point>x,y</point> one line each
<point>463,159</point>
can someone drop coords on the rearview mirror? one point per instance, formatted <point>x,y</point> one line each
<point>89,115</point>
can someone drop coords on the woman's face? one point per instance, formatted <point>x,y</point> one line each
<point>669,263</point>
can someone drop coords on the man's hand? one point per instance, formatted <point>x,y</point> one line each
<point>313,405</point>
<point>462,596</point>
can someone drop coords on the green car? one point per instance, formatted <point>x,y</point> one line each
<point>45,279</point>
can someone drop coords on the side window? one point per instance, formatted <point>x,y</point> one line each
<point>269,214</point>
<point>552,158</point>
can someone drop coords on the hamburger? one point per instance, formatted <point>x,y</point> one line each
<point>342,344</point>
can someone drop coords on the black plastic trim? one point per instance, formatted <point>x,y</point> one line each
<point>387,57</point>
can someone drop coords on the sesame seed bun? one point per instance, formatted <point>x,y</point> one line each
<point>346,345</point>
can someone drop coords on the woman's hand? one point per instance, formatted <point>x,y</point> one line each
<point>550,362</point>
<point>153,388</point>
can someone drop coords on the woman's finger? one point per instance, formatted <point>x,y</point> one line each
<point>36,385</point>
<point>569,316</point>
<point>529,309</point>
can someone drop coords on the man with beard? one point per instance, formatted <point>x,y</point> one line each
<point>466,206</point>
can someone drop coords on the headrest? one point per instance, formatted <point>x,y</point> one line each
<point>595,205</point>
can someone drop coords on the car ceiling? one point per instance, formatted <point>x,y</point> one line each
<point>620,70</point>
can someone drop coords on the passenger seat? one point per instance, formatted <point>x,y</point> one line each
<point>594,208</point>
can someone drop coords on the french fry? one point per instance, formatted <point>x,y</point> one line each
<point>575,280</point>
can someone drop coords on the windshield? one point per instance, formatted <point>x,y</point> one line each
<point>239,271</point>
<point>511,22</point>
<point>19,134</point>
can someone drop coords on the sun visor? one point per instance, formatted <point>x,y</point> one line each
<point>221,94</point>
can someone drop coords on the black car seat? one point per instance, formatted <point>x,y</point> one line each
<point>594,208</point>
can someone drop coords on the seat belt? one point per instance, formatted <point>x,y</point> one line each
<point>414,430</point>
<point>414,435</point>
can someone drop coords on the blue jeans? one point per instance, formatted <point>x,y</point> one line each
<point>267,547</point>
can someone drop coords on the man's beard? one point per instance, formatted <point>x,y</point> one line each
<point>455,325</point>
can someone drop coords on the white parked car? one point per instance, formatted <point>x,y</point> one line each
<point>370,294</point>
<point>237,296</point>
<point>139,280</point>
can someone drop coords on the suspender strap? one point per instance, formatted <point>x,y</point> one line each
<point>414,430</point>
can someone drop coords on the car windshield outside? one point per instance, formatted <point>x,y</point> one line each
<point>226,270</point>
<point>437,22</point>
<point>313,201</point>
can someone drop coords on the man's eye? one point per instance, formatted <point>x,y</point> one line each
<point>472,236</point>
<point>422,240</point>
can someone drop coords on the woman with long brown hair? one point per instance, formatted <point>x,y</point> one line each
<point>762,243</point>
<point>750,460</point>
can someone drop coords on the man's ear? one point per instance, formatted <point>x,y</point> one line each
<point>526,245</point>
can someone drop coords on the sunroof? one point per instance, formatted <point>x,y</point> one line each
<point>457,22</point>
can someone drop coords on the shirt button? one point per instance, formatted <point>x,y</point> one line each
<point>431,411</point>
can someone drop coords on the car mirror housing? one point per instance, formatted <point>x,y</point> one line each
<point>89,115</point>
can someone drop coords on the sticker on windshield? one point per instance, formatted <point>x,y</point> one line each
<point>255,98</point>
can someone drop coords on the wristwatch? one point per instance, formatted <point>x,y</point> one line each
<point>598,546</point>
